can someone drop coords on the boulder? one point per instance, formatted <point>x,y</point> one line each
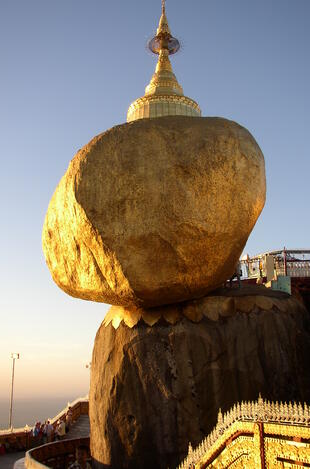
<point>155,388</point>
<point>155,211</point>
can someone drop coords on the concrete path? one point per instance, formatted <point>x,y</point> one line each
<point>7,461</point>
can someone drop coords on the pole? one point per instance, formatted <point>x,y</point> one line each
<point>12,387</point>
<point>13,356</point>
<point>285,261</point>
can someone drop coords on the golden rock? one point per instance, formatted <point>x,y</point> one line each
<point>155,211</point>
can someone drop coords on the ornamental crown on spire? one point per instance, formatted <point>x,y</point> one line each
<point>164,95</point>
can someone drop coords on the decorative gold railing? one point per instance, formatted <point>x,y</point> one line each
<point>264,428</point>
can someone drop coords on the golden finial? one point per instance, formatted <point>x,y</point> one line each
<point>164,95</point>
<point>220,417</point>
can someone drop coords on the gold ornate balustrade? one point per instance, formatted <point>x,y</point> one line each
<point>258,435</point>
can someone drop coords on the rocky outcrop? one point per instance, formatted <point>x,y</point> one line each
<point>156,211</point>
<point>154,389</point>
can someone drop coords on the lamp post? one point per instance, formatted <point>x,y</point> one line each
<point>88,366</point>
<point>14,356</point>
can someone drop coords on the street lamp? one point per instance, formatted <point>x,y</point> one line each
<point>88,366</point>
<point>14,356</point>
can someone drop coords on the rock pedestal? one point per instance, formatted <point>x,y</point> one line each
<point>154,389</point>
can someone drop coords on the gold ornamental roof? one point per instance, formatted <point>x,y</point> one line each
<point>163,95</point>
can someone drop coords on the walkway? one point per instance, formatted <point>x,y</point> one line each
<point>7,461</point>
<point>79,429</point>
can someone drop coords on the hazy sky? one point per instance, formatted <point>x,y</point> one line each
<point>69,70</point>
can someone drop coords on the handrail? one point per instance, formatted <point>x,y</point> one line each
<point>8,431</point>
<point>20,438</point>
<point>64,450</point>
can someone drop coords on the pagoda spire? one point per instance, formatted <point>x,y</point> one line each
<point>164,81</point>
<point>163,26</point>
<point>163,95</point>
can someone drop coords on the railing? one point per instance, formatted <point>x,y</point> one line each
<point>78,407</point>
<point>258,411</point>
<point>298,269</point>
<point>57,455</point>
<point>293,263</point>
<point>20,439</point>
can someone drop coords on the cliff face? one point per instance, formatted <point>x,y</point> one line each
<point>154,389</point>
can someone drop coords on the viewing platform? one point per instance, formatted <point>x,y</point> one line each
<point>20,440</point>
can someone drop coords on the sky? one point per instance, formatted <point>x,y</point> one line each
<point>69,70</point>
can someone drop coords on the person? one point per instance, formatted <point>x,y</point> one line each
<point>49,431</point>
<point>43,434</point>
<point>60,430</point>
<point>237,274</point>
<point>81,454</point>
<point>36,430</point>
<point>36,433</point>
<point>68,419</point>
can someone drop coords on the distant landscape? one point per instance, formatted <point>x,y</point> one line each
<point>28,411</point>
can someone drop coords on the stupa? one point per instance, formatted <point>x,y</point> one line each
<point>164,95</point>
<point>152,217</point>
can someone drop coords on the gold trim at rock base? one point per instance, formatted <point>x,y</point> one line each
<point>210,307</point>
